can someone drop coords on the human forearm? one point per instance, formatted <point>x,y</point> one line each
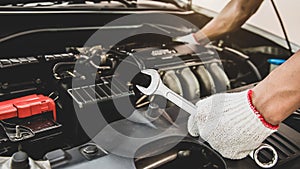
<point>278,95</point>
<point>234,14</point>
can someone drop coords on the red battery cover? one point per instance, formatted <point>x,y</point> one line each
<point>27,106</point>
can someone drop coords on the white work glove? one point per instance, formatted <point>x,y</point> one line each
<point>190,39</point>
<point>230,124</point>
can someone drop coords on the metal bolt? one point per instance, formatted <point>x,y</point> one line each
<point>184,153</point>
<point>38,81</point>
<point>18,132</point>
<point>90,149</point>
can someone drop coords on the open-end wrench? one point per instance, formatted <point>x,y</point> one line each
<point>157,87</point>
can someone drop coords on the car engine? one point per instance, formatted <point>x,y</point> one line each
<point>46,97</point>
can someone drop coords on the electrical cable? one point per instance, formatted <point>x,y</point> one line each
<point>254,69</point>
<point>55,67</point>
<point>282,27</point>
<point>247,60</point>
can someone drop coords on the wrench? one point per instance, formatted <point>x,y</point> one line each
<point>254,155</point>
<point>157,87</point>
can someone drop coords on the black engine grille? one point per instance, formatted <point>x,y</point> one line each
<point>287,144</point>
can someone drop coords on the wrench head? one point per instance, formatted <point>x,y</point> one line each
<point>155,80</point>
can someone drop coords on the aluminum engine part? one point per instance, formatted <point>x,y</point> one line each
<point>206,81</point>
<point>171,80</point>
<point>189,84</point>
<point>221,80</point>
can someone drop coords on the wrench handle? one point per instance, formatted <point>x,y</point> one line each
<point>176,99</point>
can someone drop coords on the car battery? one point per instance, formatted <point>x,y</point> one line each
<point>25,117</point>
<point>27,106</point>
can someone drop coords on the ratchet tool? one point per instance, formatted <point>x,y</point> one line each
<point>157,87</point>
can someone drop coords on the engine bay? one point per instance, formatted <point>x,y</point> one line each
<point>47,97</point>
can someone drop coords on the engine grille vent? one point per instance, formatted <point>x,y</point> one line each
<point>286,145</point>
<point>99,92</point>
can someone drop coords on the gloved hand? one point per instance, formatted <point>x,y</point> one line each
<point>190,39</point>
<point>230,124</point>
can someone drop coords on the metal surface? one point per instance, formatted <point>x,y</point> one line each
<point>159,162</point>
<point>157,87</point>
<point>16,132</point>
<point>171,80</point>
<point>99,92</point>
<point>189,83</point>
<point>208,86</point>
<point>255,154</point>
<point>220,78</point>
